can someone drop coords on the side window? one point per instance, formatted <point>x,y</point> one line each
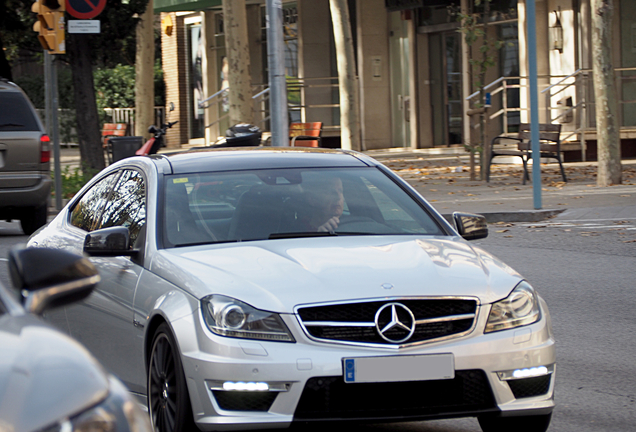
<point>127,205</point>
<point>86,212</point>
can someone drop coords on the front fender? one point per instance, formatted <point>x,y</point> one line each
<point>157,301</point>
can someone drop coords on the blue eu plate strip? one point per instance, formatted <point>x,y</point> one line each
<point>350,370</point>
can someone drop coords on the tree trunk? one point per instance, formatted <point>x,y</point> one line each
<point>607,126</point>
<point>5,67</point>
<point>348,83</point>
<point>484,156</point>
<point>238,56</point>
<point>88,132</point>
<point>144,73</point>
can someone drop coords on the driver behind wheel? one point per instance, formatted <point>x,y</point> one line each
<point>324,202</point>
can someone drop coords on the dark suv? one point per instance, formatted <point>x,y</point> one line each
<point>25,181</point>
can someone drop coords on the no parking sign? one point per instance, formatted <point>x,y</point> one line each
<point>85,9</point>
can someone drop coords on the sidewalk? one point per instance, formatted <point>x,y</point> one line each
<point>442,176</point>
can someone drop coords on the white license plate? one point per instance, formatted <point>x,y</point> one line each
<point>399,368</point>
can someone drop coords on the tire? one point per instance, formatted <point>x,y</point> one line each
<point>168,399</point>
<point>33,218</point>
<point>538,423</point>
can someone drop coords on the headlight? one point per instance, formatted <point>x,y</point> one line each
<point>520,308</point>
<point>226,316</point>
<point>117,413</point>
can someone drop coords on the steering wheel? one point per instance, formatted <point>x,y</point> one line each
<point>349,220</point>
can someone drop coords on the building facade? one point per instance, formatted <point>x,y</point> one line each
<point>414,69</point>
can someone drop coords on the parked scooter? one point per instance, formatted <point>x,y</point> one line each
<point>153,145</point>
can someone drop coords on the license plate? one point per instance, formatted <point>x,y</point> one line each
<point>399,368</point>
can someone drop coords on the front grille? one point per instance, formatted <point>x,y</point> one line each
<point>244,401</point>
<point>331,398</point>
<point>528,387</point>
<point>356,322</point>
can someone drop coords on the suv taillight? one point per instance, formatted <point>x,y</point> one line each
<point>45,149</point>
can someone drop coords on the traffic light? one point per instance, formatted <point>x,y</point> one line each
<point>50,25</point>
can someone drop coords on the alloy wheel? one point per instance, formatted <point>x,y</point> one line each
<point>162,385</point>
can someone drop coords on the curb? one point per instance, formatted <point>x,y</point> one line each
<point>515,216</point>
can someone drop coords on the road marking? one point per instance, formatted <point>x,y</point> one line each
<point>588,225</point>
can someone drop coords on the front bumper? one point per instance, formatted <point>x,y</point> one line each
<point>306,379</point>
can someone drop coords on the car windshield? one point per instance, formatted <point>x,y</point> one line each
<point>287,203</point>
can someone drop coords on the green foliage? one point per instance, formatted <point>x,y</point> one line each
<point>33,86</point>
<point>73,180</point>
<point>115,87</point>
<point>16,25</point>
<point>473,148</point>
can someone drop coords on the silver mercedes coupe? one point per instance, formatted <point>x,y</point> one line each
<point>263,287</point>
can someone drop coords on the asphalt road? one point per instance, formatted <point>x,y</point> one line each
<point>585,269</point>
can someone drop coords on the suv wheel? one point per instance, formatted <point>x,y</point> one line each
<point>33,219</point>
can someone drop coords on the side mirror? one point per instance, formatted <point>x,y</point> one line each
<point>470,226</point>
<point>109,242</point>
<point>49,278</point>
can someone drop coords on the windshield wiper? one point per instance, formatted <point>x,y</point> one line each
<point>11,125</point>
<point>314,234</point>
<point>301,235</point>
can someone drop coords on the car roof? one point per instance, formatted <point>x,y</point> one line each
<point>240,158</point>
<point>6,85</point>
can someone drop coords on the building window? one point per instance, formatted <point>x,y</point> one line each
<point>195,55</point>
<point>509,64</point>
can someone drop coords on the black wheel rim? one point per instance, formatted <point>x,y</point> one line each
<point>162,379</point>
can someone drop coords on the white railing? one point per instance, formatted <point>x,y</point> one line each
<point>127,115</point>
<point>570,100</point>
<point>296,91</point>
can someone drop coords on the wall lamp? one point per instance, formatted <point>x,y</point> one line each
<point>556,32</point>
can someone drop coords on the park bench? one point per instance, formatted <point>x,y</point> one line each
<point>110,130</point>
<point>549,147</point>
<point>305,134</point>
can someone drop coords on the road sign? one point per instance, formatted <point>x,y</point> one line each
<point>84,26</point>
<point>85,9</point>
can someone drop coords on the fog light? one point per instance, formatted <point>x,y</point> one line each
<point>526,373</point>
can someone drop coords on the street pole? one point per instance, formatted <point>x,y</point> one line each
<point>534,103</point>
<point>277,81</point>
<point>52,121</point>
<point>56,136</point>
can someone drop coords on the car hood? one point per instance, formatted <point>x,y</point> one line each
<point>45,376</point>
<point>278,275</point>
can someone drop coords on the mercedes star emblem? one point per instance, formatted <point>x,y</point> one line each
<point>395,322</point>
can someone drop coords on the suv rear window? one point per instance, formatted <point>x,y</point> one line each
<point>16,114</point>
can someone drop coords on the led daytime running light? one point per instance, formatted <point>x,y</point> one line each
<point>245,386</point>
<point>524,373</point>
<point>532,372</point>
